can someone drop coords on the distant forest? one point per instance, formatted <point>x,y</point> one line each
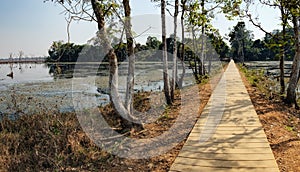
<point>240,39</point>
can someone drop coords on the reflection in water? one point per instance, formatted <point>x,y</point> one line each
<point>11,74</point>
<point>66,70</point>
<point>24,72</point>
<point>61,71</point>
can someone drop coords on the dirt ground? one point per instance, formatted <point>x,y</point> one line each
<point>163,162</point>
<point>281,125</point>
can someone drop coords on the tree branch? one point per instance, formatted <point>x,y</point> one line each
<point>258,25</point>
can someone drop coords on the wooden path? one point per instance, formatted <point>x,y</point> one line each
<point>228,136</point>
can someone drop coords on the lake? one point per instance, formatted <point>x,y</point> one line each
<point>271,69</point>
<point>24,73</point>
<point>34,90</point>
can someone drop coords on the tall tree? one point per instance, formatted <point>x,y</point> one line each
<point>291,97</point>
<point>284,11</point>
<point>175,66</point>
<point>113,63</point>
<point>167,87</point>
<point>241,41</point>
<point>182,53</point>
<point>201,14</point>
<point>164,54</point>
<point>100,11</point>
<point>284,18</point>
<point>131,58</point>
<point>219,45</point>
<point>289,12</point>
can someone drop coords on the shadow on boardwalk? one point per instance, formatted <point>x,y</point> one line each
<point>236,142</point>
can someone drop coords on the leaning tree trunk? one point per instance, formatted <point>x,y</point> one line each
<point>113,64</point>
<point>291,91</point>
<point>131,58</point>
<point>175,67</point>
<point>164,53</point>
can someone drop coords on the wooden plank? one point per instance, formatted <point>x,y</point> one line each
<point>229,125</point>
<point>188,168</point>
<point>227,132</point>
<point>228,136</point>
<point>226,163</point>
<point>232,128</point>
<point>223,156</point>
<point>218,141</point>
<point>233,121</point>
<point>227,145</point>
<point>195,149</point>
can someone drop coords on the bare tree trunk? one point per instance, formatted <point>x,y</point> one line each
<point>175,67</point>
<point>180,82</point>
<point>291,91</point>
<point>281,63</point>
<point>202,51</point>
<point>202,40</point>
<point>131,58</point>
<point>241,51</point>
<point>113,64</point>
<point>209,63</point>
<point>195,50</point>
<point>164,52</point>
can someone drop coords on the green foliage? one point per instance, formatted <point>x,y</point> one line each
<point>60,52</point>
<point>166,113</point>
<point>220,45</point>
<point>255,77</point>
<point>232,9</point>
<point>289,128</point>
<point>241,42</point>
<point>275,43</point>
<point>201,13</point>
<point>152,42</point>
<point>258,79</point>
<point>269,48</point>
<point>203,79</point>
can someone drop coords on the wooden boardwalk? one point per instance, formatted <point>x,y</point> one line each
<point>228,136</point>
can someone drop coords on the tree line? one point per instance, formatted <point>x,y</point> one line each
<point>242,47</point>
<point>245,48</point>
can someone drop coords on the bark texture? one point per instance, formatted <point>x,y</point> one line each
<point>113,64</point>
<point>131,58</point>
<point>164,54</point>
<point>291,91</point>
<point>175,67</point>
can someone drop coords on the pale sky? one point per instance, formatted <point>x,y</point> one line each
<point>32,26</point>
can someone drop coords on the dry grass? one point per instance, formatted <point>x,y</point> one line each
<point>46,142</point>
